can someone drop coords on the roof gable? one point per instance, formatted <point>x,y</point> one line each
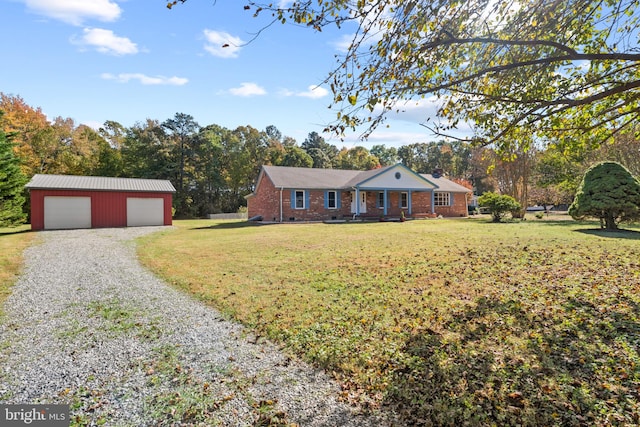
<point>99,183</point>
<point>397,177</point>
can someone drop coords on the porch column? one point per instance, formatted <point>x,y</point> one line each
<point>357,201</point>
<point>433,199</point>
<point>386,202</point>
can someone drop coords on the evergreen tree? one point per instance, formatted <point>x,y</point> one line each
<point>12,183</point>
<point>608,192</point>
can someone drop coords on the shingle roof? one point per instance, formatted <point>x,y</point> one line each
<point>314,178</point>
<point>445,185</point>
<point>310,178</point>
<point>99,183</point>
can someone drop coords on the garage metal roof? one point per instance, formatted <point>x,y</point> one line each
<point>99,183</point>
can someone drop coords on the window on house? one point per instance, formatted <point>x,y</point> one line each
<point>332,200</point>
<point>299,199</point>
<point>404,200</point>
<point>441,199</point>
<point>381,199</point>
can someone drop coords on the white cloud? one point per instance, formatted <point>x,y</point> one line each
<point>417,111</point>
<point>494,17</point>
<point>313,92</point>
<point>75,12</point>
<point>248,89</point>
<point>105,41</point>
<point>93,124</point>
<point>371,18</point>
<point>221,44</point>
<point>146,80</point>
<point>379,137</point>
<point>424,112</point>
<point>343,43</point>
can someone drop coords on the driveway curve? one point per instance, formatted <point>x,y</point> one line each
<point>87,325</point>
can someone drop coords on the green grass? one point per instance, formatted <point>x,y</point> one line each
<point>180,397</point>
<point>13,241</point>
<point>186,400</point>
<point>448,321</point>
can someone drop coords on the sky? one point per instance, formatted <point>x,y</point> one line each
<point>132,60</point>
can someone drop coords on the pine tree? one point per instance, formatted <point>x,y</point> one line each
<point>608,192</point>
<point>12,183</point>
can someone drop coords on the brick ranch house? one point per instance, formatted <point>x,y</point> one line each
<point>305,194</point>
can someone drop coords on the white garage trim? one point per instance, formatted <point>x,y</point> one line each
<point>145,211</point>
<point>67,212</point>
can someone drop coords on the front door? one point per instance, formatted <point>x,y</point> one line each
<point>362,202</point>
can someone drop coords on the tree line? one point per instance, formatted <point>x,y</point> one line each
<point>213,168</point>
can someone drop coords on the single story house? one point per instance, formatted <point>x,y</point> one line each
<point>66,201</point>
<point>292,194</point>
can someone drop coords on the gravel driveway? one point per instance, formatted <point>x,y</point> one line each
<point>88,326</point>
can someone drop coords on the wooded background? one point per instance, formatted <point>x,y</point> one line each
<point>213,167</point>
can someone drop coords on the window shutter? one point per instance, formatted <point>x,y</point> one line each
<point>326,199</point>
<point>339,199</point>
<point>306,197</point>
<point>293,199</point>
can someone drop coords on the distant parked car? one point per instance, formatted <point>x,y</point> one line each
<point>538,208</point>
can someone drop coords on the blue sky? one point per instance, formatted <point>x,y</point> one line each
<point>129,60</point>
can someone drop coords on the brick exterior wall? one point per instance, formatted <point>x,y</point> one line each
<point>265,202</point>
<point>421,203</point>
<point>458,207</point>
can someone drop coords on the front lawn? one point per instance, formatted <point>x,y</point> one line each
<point>451,322</point>
<point>13,242</point>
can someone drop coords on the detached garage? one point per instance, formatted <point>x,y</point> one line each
<point>66,201</point>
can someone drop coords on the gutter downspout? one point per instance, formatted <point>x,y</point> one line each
<point>466,202</point>
<point>281,188</point>
<point>355,213</point>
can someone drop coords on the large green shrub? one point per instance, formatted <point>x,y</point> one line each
<point>499,204</point>
<point>608,192</point>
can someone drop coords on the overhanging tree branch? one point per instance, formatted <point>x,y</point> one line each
<point>490,40</point>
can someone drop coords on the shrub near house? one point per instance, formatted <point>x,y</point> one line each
<point>499,204</point>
